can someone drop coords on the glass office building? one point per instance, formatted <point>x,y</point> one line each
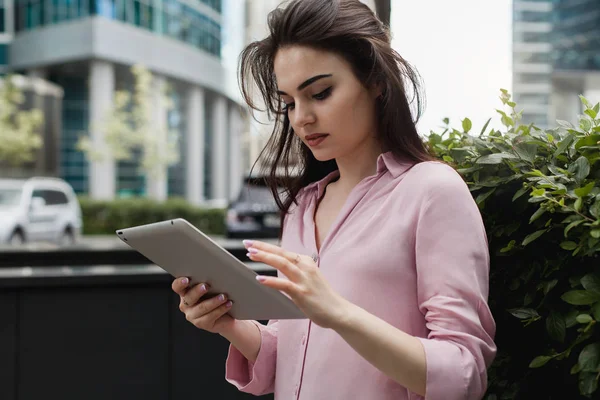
<point>532,68</point>
<point>87,47</point>
<point>556,57</point>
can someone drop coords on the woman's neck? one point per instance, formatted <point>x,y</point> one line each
<point>357,166</point>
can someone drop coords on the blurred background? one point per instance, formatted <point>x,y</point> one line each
<point>130,99</point>
<point>116,113</point>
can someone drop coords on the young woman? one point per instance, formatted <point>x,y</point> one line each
<point>382,247</point>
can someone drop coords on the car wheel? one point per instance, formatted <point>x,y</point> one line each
<point>67,238</point>
<point>16,239</point>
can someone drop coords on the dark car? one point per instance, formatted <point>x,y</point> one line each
<point>254,214</point>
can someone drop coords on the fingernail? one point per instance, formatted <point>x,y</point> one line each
<point>185,281</point>
<point>203,288</point>
<point>261,278</point>
<point>252,250</point>
<point>221,297</point>
<point>228,304</point>
<point>247,243</point>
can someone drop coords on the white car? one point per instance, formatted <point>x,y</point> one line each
<point>38,210</point>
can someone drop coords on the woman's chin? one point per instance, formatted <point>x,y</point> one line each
<point>323,155</point>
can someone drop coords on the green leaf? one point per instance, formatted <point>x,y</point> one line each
<point>524,313</point>
<point>595,209</point>
<point>568,245</point>
<point>483,196</point>
<point>580,297</point>
<point>485,126</point>
<point>578,204</point>
<point>588,141</point>
<point>591,283</point>
<point>526,151</point>
<point>495,158</point>
<point>595,233</point>
<point>596,311</point>
<point>596,108</point>
<point>585,124</point>
<point>548,286</point>
<point>538,213</point>
<point>591,113</point>
<point>539,361</point>
<point>584,318</point>
<point>575,369</point>
<point>538,192</point>
<point>564,124</point>
<point>467,125</point>
<point>564,144</point>
<point>531,237</point>
<point>520,193</point>
<point>588,383</point>
<point>583,168</point>
<point>572,225</point>
<point>556,327</point>
<point>589,358</point>
<point>508,247</point>
<point>570,318</point>
<point>584,191</point>
<point>584,101</point>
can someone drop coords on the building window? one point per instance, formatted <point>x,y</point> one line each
<point>3,54</point>
<point>2,17</point>
<point>177,175</point>
<point>521,99</point>
<point>171,17</point>
<point>74,166</point>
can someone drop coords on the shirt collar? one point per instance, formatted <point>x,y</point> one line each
<point>385,162</point>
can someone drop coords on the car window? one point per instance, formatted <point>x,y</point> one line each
<point>10,197</point>
<point>55,197</point>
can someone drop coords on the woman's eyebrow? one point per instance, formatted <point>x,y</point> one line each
<point>306,83</point>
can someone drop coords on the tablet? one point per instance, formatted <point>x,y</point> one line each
<point>184,251</point>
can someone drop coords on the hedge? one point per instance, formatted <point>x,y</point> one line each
<point>539,194</point>
<point>105,217</point>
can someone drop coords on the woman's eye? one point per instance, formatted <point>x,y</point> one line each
<point>289,106</point>
<point>324,94</point>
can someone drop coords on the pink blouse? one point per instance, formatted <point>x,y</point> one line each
<point>408,246</point>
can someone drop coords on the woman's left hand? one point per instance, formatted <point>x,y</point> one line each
<point>305,285</point>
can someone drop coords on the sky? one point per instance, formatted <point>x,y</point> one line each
<point>462,49</point>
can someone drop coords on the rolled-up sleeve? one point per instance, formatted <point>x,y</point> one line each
<point>256,377</point>
<point>452,260</point>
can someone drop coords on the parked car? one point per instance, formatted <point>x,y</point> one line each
<point>38,209</point>
<point>254,214</point>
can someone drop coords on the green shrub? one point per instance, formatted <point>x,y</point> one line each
<point>539,194</point>
<point>105,217</point>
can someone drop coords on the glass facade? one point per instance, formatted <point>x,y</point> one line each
<point>2,17</point>
<point>170,18</point>
<point>208,154</point>
<point>576,35</point>
<point>532,26</point>
<point>74,167</point>
<point>176,180</point>
<point>3,54</point>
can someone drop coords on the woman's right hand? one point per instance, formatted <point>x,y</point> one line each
<point>210,314</point>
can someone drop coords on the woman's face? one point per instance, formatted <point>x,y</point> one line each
<point>328,107</point>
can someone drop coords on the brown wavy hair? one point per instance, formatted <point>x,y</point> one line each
<point>348,28</point>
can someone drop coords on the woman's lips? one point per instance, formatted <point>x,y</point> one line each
<point>316,140</point>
